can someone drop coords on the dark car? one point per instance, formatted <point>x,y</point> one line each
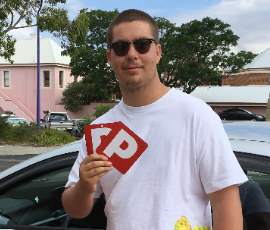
<point>30,192</point>
<point>77,129</point>
<point>240,114</point>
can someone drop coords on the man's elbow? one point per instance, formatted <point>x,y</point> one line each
<point>75,206</point>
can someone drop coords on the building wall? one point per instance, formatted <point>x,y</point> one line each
<point>21,88</point>
<point>22,93</point>
<point>86,109</point>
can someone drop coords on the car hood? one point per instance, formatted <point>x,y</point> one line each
<point>251,137</point>
<point>72,147</point>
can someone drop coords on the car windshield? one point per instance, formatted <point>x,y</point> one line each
<point>58,117</point>
<point>247,111</point>
<point>16,121</point>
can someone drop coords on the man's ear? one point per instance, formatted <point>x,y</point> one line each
<point>159,52</point>
<point>109,56</point>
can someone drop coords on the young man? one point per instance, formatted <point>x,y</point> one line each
<point>188,162</point>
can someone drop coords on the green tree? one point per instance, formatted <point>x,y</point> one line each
<point>17,14</point>
<point>198,53</point>
<point>82,93</point>
<point>85,42</point>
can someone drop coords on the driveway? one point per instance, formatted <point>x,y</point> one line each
<point>23,150</point>
<point>14,154</point>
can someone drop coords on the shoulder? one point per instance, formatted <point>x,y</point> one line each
<point>191,105</point>
<point>186,99</point>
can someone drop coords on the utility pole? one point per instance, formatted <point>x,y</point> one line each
<point>40,2</point>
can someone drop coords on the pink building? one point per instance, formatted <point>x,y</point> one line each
<point>18,84</point>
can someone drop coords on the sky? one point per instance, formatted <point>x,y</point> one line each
<point>249,19</point>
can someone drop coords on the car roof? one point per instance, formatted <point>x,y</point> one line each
<point>16,118</point>
<point>249,136</point>
<point>68,148</point>
<point>7,115</point>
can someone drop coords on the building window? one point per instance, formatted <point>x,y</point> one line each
<point>61,79</point>
<point>6,78</point>
<point>46,78</point>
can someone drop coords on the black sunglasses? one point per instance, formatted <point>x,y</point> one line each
<point>141,45</point>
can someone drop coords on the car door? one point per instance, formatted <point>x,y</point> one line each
<point>257,168</point>
<point>32,196</point>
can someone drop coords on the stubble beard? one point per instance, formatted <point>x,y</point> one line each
<point>134,86</point>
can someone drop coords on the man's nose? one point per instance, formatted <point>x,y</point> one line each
<point>132,51</point>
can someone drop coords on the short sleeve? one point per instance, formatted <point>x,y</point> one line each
<point>217,165</point>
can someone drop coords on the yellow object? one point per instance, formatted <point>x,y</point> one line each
<point>183,224</point>
<point>202,228</point>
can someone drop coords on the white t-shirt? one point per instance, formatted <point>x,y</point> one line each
<point>188,157</point>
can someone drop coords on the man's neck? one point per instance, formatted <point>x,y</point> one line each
<point>144,96</point>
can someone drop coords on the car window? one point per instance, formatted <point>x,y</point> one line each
<point>36,201</point>
<point>263,179</point>
<point>58,117</point>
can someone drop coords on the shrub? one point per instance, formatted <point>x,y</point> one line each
<point>101,109</point>
<point>25,132</point>
<point>50,137</point>
<point>6,132</point>
<point>32,134</point>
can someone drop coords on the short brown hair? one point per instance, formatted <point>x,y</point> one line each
<point>129,16</point>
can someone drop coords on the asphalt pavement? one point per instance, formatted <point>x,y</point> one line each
<point>23,150</point>
<point>14,154</point>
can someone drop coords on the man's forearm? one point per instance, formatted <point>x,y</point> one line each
<point>77,203</point>
<point>227,211</point>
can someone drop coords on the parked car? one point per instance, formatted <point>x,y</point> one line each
<point>7,115</point>
<point>56,120</point>
<point>240,114</point>
<point>17,121</point>
<point>30,192</point>
<point>77,129</point>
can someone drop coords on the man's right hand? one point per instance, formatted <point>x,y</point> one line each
<point>92,168</point>
<point>78,200</point>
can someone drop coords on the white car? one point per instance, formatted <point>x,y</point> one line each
<point>6,116</point>
<point>17,121</point>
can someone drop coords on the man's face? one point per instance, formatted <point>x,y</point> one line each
<point>134,70</point>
